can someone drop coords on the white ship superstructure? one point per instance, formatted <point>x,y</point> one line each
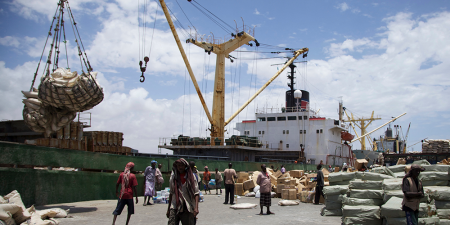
<point>285,131</point>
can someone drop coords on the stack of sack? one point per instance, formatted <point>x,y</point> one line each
<point>441,197</point>
<point>13,211</point>
<point>392,212</point>
<point>365,196</point>
<point>436,146</point>
<point>341,178</point>
<point>334,196</point>
<point>398,171</point>
<point>435,175</point>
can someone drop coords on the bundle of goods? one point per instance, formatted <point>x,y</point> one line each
<point>341,178</point>
<point>392,212</point>
<point>436,146</point>
<point>13,211</point>
<point>70,91</point>
<point>44,119</point>
<point>61,92</point>
<point>334,196</point>
<point>398,170</point>
<point>365,198</point>
<point>435,175</point>
<point>441,197</point>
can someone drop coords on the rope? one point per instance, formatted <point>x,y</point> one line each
<point>212,19</point>
<point>86,61</point>
<point>43,50</point>
<point>154,25</point>
<point>187,18</point>
<point>215,16</point>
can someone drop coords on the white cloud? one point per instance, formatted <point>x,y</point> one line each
<point>9,41</point>
<point>356,11</point>
<point>256,12</point>
<point>343,7</point>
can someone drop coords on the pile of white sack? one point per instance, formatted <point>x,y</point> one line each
<point>59,97</point>
<point>13,211</point>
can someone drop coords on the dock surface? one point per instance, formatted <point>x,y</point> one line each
<point>212,211</point>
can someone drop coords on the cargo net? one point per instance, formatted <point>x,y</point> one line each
<point>69,91</point>
<point>61,93</point>
<point>44,119</point>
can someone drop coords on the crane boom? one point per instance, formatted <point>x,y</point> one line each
<point>378,128</point>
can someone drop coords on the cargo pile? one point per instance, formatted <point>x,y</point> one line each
<point>375,197</point>
<point>292,185</point>
<point>59,97</point>
<point>73,137</point>
<point>13,211</point>
<point>436,146</point>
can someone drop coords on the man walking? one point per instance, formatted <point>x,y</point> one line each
<point>264,183</point>
<point>206,179</point>
<point>412,193</point>
<point>128,182</point>
<point>319,185</point>
<point>230,175</point>
<point>218,177</point>
<point>151,178</point>
<point>184,195</point>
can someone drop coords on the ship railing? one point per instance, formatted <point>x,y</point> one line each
<point>280,110</point>
<point>235,140</point>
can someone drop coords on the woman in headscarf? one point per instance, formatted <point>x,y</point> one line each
<point>151,178</point>
<point>184,195</point>
<point>129,183</point>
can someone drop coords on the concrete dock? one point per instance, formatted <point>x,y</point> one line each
<point>212,211</point>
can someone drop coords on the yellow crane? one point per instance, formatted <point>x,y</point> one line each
<point>222,50</point>
<point>361,126</point>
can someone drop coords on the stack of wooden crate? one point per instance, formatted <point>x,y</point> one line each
<point>70,137</point>
<point>106,142</point>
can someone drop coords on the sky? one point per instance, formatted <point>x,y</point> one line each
<point>389,57</point>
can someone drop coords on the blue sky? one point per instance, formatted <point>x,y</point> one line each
<point>384,56</point>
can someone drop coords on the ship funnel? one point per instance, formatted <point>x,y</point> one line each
<point>388,132</point>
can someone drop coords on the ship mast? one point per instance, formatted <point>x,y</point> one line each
<point>363,126</point>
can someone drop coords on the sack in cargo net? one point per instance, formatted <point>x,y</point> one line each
<point>70,91</point>
<point>44,119</point>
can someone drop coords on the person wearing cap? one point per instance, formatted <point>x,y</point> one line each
<point>330,169</point>
<point>344,167</point>
<point>412,193</point>
<point>206,179</point>
<point>151,178</point>
<point>128,182</point>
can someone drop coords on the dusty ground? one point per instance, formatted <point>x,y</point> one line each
<point>212,211</point>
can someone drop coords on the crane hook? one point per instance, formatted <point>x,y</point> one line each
<point>142,78</point>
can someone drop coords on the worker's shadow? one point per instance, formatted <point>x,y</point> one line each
<point>73,209</point>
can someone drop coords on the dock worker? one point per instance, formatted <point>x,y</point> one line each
<point>151,179</point>
<point>263,181</point>
<point>128,183</point>
<point>412,193</point>
<point>218,177</point>
<point>319,185</point>
<point>229,175</point>
<point>183,195</point>
<point>206,179</point>
<point>283,170</point>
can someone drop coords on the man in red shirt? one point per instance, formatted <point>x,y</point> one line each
<point>129,183</point>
